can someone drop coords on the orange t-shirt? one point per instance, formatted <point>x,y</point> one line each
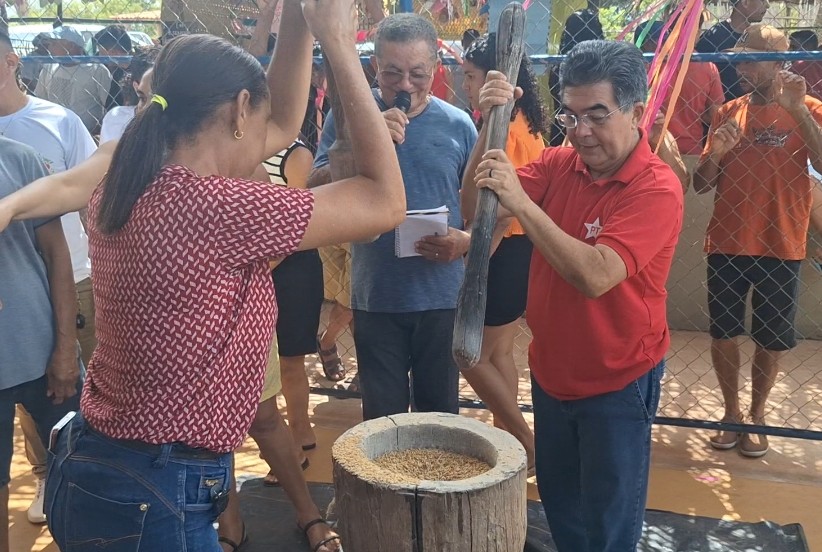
<point>701,90</point>
<point>763,197</point>
<point>522,148</point>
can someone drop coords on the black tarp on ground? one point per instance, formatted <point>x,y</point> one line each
<point>271,526</point>
<point>670,532</point>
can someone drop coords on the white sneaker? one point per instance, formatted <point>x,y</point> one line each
<point>35,512</point>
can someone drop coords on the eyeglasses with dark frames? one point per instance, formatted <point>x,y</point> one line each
<point>571,121</point>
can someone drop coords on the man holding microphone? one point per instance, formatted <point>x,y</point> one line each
<point>404,307</point>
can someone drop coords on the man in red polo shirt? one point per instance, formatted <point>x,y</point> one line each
<point>604,217</point>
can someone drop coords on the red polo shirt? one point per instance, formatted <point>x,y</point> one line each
<point>584,347</point>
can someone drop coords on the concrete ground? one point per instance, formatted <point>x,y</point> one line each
<point>687,476</point>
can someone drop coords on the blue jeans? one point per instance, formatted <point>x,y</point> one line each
<point>390,346</point>
<point>592,461</point>
<point>101,495</point>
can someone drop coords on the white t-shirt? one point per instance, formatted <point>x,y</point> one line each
<point>81,88</point>
<point>115,121</point>
<point>62,141</point>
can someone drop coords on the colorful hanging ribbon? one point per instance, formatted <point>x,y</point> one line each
<point>671,60</point>
<point>659,6</point>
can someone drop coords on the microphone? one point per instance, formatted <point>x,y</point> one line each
<point>402,101</point>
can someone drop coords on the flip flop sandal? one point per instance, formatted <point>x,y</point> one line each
<point>234,546</point>
<point>332,365</point>
<point>322,543</point>
<point>751,448</point>
<point>719,443</point>
<point>271,480</point>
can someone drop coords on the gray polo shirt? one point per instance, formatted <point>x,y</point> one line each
<point>26,320</point>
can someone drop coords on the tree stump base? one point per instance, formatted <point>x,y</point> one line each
<point>379,510</point>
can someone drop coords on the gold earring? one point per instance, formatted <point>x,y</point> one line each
<point>238,134</point>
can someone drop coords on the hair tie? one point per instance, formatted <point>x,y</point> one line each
<point>159,100</point>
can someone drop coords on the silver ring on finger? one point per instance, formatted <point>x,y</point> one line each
<point>490,173</point>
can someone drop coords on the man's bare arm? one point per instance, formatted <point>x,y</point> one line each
<point>289,96</point>
<point>669,153</point>
<point>60,193</point>
<point>62,370</point>
<point>258,45</point>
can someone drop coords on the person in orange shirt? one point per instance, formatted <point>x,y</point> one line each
<point>495,377</point>
<point>756,158</point>
<point>700,97</point>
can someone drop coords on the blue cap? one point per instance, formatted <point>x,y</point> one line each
<point>68,33</point>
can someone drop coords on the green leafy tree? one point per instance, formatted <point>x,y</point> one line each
<point>616,15</point>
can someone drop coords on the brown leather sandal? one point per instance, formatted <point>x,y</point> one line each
<point>332,365</point>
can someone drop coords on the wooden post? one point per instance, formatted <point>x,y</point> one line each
<point>470,314</point>
<point>378,511</point>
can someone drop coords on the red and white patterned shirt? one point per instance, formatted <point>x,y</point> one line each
<point>185,308</point>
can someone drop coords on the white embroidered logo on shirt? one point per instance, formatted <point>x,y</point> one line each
<point>594,228</point>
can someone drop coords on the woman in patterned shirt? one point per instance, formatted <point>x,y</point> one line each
<point>180,246</point>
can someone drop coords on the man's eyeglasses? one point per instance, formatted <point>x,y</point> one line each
<point>571,121</point>
<point>416,77</point>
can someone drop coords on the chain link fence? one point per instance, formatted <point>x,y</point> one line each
<point>751,212</point>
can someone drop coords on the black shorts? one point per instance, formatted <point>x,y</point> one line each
<point>508,281</point>
<point>298,283</point>
<point>775,285</point>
